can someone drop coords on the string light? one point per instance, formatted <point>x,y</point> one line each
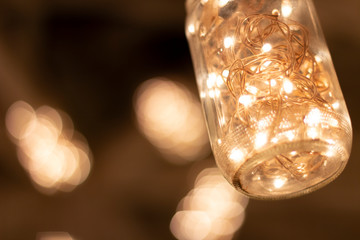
<point>280,95</point>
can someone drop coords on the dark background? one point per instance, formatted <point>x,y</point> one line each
<point>87,58</point>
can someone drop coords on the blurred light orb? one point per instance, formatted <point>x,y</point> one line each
<point>54,236</point>
<point>18,118</point>
<point>48,148</point>
<point>212,210</point>
<point>188,225</point>
<point>170,117</point>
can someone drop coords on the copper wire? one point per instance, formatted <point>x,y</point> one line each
<point>290,57</point>
<point>248,64</point>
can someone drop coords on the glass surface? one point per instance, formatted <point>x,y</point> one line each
<point>276,117</point>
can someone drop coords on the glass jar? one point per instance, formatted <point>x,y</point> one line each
<point>276,117</point>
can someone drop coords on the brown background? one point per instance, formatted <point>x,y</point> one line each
<point>87,58</point>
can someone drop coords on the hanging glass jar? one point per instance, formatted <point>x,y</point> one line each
<point>277,120</point>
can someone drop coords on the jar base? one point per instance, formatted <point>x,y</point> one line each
<point>290,169</point>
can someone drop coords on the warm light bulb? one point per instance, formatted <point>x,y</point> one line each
<point>271,95</point>
<point>288,86</point>
<point>191,28</point>
<point>225,73</point>
<point>278,182</point>
<point>267,47</point>
<point>286,8</point>
<point>246,100</point>
<point>222,3</point>
<point>236,155</point>
<point>211,80</point>
<point>261,140</point>
<point>228,42</point>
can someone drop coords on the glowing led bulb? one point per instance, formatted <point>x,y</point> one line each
<point>279,182</point>
<point>273,101</point>
<point>267,47</point>
<point>246,100</point>
<point>223,2</point>
<point>211,80</point>
<point>228,42</point>
<point>290,135</point>
<point>314,117</point>
<point>318,59</point>
<point>286,8</point>
<point>273,82</point>
<point>236,155</point>
<point>336,105</point>
<point>251,89</point>
<point>219,81</point>
<point>288,86</point>
<point>191,28</point>
<point>267,63</point>
<point>225,73</point>
<point>313,133</point>
<point>260,140</point>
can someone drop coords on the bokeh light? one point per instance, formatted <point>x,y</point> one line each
<point>171,119</point>
<point>54,236</point>
<point>55,156</point>
<point>211,210</point>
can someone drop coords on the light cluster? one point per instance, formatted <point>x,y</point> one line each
<point>211,210</point>
<point>56,157</point>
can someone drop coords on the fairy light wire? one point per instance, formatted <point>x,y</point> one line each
<point>265,49</point>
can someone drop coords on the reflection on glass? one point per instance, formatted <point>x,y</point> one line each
<point>56,157</point>
<point>211,210</point>
<point>171,119</point>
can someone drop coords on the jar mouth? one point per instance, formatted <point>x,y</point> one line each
<point>290,169</point>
